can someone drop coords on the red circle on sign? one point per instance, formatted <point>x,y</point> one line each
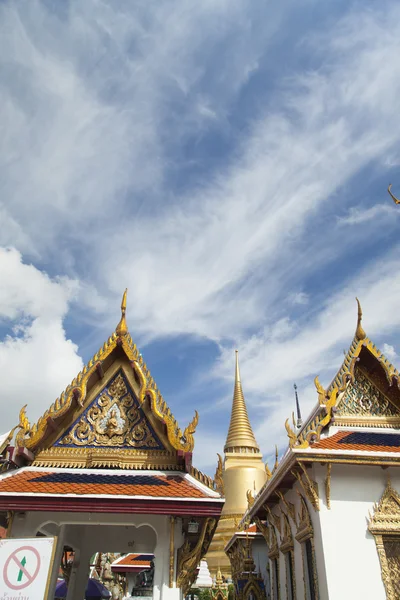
<point>30,577</point>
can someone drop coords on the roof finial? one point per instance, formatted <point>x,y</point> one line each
<point>299,419</point>
<point>395,200</point>
<point>360,333</point>
<point>276,459</point>
<point>122,328</point>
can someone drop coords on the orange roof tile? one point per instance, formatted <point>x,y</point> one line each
<point>92,483</point>
<point>362,441</point>
<point>132,560</point>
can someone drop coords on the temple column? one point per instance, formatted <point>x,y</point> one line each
<point>57,561</point>
<point>161,589</point>
<point>77,584</point>
<point>73,575</point>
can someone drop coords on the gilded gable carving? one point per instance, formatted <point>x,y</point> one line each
<point>363,398</point>
<point>113,419</point>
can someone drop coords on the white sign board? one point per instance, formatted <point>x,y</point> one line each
<point>25,568</point>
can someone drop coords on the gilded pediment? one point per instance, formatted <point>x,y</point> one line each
<point>112,404</point>
<point>362,398</point>
<point>114,419</point>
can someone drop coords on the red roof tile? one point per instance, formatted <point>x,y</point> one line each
<point>362,441</point>
<point>72,482</point>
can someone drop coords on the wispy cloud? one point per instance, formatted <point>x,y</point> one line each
<point>179,150</point>
<point>358,215</point>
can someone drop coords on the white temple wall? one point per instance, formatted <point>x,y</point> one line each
<point>298,548</point>
<point>347,546</point>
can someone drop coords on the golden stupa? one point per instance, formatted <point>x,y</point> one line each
<point>243,469</point>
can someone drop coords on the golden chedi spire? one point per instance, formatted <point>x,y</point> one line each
<point>360,333</point>
<point>122,328</point>
<point>240,433</point>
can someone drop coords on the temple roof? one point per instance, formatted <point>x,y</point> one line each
<point>365,371</point>
<point>111,415</point>
<point>99,490</point>
<point>132,563</point>
<point>359,441</point>
<point>356,421</point>
<point>240,433</point>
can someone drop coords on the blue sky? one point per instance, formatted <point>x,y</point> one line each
<point>227,161</point>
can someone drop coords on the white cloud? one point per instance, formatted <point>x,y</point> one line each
<point>389,351</point>
<point>96,104</point>
<point>199,267</point>
<point>36,359</point>
<point>358,215</point>
<point>298,298</point>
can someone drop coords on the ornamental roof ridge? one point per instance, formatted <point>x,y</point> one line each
<point>30,436</point>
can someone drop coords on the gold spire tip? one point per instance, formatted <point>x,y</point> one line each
<point>122,328</point>
<point>237,369</point>
<point>360,333</point>
<point>240,433</point>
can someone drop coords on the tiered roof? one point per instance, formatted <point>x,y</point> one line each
<point>110,436</point>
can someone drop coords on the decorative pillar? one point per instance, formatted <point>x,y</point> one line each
<point>162,558</point>
<point>74,572</point>
<point>172,553</point>
<point>78,585</point>
<point>57,561</point>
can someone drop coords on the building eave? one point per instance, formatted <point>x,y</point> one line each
<point>111,505</point>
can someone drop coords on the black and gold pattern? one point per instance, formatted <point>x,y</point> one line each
<point>114,419</point>
<point>363,398</point>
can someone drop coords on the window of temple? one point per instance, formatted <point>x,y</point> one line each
<point>275,579</point>
<point>286,548</point>
<point>273,555</point>
<point>290,586</point>
<point>392,551</point>
<point>305,536</point>
<point>308,557</point>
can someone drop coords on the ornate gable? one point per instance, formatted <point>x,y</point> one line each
<point>113,419</point>
<point>365,392</point>
<point>363,398</point>
<point>112,414</point>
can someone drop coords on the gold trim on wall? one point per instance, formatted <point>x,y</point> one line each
<point>385,524</point>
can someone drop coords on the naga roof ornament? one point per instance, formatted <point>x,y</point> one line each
<point>396,200</point>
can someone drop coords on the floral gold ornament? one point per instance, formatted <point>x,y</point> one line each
<point>189,558</point>
<point>275,519</point>
<point>328,485</point>
<point>384,524</point>
<point>218,477</point>
<point>250,498</point>
<point>115,419</point>
<point>291,434</point>
<point>289,506</point>
<point>276,460</point>
<point>309,486</point>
